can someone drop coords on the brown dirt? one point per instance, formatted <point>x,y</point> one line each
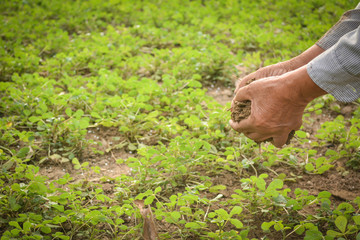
<point>106,162</point>
<point>342,187</point>
<point>241,110</point>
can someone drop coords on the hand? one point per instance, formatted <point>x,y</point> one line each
<point>268,71</point>
<point>277,105</point>
<point>282,67</point>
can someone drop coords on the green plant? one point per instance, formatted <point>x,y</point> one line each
<point>84,84</point>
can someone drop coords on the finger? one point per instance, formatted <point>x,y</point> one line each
<point>280,140</point>
<point>243,126</point>
<point>238,86</point>
<point>243,82</point>
<point>242,94</point>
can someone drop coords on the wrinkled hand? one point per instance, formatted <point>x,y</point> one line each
<point>277,105</point>
<point>268,71</point>
<point>282,67</point>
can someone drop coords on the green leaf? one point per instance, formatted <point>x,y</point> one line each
<point>341,222</point>
<point>68,112</point>
<point>324,194</point>
<point>301,134</point>
<point>158,189</point>
<point>6,166</point>
<point>132,147</point>
<point>27,226</point>
<point>193,225</point>
<point>38,187</point>
<point>217,188</point>
<point>182,169</point>
<point>278,226</point>
<point>358,236</point>
<point>273,186</point>
<point>84,123</point>
<point>332,233</point>
<point>95,115</point>
<point>309,167</point>
<point>34,119</point>
<point>175,215</point>
<point>58,219</point>
<point>236,223</point>
<point>23,152</point>
<point>60,208</point>
<point>26,112</point>
<point>46,229</point>
<point>15,232</point>
<point>236,210</point>
<point>356,219</point>
<point>15,224</point>
<point>260,183</point>
<point>79,113</point>
<point>149,200</point>
<point>313,235</point>
<point>75,161</point>
<point>61,235</point>
<point>299,229</point>
<point>222,213</point>
<point>13,204</point>
<point>267,225</point>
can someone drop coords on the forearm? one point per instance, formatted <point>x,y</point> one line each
<point>301,87</point>
<point>305,57</point>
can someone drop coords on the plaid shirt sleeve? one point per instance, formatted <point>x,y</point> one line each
<point>337,70</point>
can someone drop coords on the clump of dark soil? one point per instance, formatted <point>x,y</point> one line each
<point>242,110</point>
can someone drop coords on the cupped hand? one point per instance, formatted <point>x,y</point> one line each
<point>277,105</point>
<point>281,67</point>
<point>268,71</point>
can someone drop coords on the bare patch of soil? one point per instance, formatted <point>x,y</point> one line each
<point>105,138</point>
<point>221,94</point>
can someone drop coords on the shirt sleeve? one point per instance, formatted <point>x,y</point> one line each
<point>349,21</point>
<point>337,70</point>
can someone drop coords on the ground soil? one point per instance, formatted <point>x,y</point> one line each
<point>341,182</point>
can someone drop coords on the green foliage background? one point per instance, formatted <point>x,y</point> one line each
<point>140,68</point>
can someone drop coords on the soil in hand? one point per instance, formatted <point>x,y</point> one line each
<point>242,110</point>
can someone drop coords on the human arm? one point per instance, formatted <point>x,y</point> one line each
<point>277,103</point>
<point>349,21</point>
<point>282,67</point>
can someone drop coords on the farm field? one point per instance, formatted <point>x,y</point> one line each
<point>114,124</point>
